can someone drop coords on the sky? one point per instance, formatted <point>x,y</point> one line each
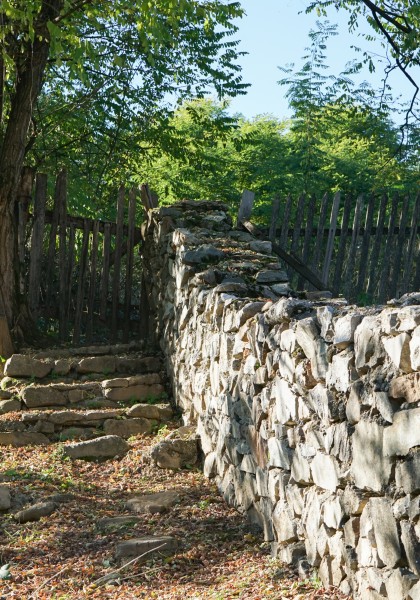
<point>275,33</point>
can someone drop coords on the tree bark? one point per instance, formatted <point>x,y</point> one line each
<point>30,68</point>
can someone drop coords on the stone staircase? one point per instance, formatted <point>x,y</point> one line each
<point>80,395</point>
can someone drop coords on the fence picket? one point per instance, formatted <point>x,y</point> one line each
<point>308,236</point>
<point>415,218</point>
<point>351,260</point>
<point>275,212</point>
<point>35,265</point>
<point>81,284</point>
<point>117,263</point>
<point>399,245</point>
<point>364,252</point>
<point>331,236</point>
<point>386,258</point>
<point>320,233</point>
<point>339,261</point>
<point>130,258</point>
<point>374,259</point>
<point>62,234</point>
<point>92,283</point>
<point>285,223</point>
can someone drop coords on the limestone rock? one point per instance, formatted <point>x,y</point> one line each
<point>21,365</point>
<point>407,475</point>
<point>411,546</point>
<point>97,364</point>
<point>279,453</point>
<point>385,531</point>
<point>403,434</point>
<point>158,412</point>
<point>344,329</point>
<point>314,347</point>
<point>104,447</point>
<point>153,503</point>
<point>176,451</point>
<point>121,522</point>
<point>261,246</point>
<point>415,349</point>
<point>146,547</point>
<point>325,471</point>
<point>407,387</point>
<point>135,392</point>
<point>22,438</point>
<point>204,253</point>
<point>5,499</point>
<point>35,512</point>
<point>400,585</point>
<point>408,318</point>
<point>125,428</point>
<point>7,406</point>
<point>36,396</point>
<point>368,347</point>
<point>398,350</point>
<point>414,593</point>
<point>284,309</point>
<point>371,467</point>
<point>273,276</point>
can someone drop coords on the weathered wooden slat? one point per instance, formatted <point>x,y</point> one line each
<point>285,222</point>
<point>293,261</point>
<point>337,284</point>
<point>105,271</point>
<point>24,197</point>
<point>387,253</point>
<point>331,236</point>
<point>69,270</point>
<point>416,283</point>
<point>92,284</point>
<point>408,259</point>
<point>320,233</point>
<point>364,252</point>
<point>351,259</point>
<point>6,343</point>
<point>310,209</point>
<point>245,207</point>
<point>275,212</point>
<point>395,268</point>
<point>117,264</point>
<point>300,209</point>
<point>81,280</point>
<point>148,198</point>
<point>374,271</point>
<point>63,275</point>
<point>35,264</point>
<point>49,283</point>
<point>130,261</point>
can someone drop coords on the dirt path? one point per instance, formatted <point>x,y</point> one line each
<point>60,557</point>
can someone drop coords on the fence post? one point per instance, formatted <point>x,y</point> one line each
<point>35,264</point>
<point>245,207</point>
<point>117,263</point>
<point>331,236</point>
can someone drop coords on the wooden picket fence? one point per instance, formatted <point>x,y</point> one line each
<point>79,271</point>
<point>366,249</point>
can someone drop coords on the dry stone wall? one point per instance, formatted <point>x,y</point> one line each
<point>308,411</point>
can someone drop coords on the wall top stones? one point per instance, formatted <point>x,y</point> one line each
<point>308,409</point>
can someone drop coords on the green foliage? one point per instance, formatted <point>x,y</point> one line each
<point>114,68</point>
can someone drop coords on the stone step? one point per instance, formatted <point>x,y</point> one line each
<point>31,366</point>
<point>108,393</point>
<point>72,424</point>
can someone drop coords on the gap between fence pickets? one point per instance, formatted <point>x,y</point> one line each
<point>293,261</point>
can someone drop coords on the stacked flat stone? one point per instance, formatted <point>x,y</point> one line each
<point>308,412</point>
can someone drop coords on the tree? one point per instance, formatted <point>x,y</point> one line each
<point>397,22</point>
<point>130,53</point>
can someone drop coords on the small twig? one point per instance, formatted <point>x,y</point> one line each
<point>48,581</point>
<point>143,573</point>
<point>113,575</point>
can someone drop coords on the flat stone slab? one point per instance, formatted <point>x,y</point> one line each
<point>176,451</point>
<point>21,365</point>
<point>153,503</point>
<point>7,406</point>
<point>22,438</point>
<point>134,392</point>
<point>36,396</point>
<point>145,547</point>
<point>121,522</point>
<point>97,364</point>
<point>5,498</point>
<point>107,446</point>
<point>125,428</point>
<point>35,512</point>
<point>159,412</point>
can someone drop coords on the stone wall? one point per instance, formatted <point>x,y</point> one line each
<point>308,411</point>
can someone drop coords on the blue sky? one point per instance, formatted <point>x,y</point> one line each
<point>274,34</point>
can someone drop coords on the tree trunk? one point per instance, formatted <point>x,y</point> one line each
<point>30,66</point>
